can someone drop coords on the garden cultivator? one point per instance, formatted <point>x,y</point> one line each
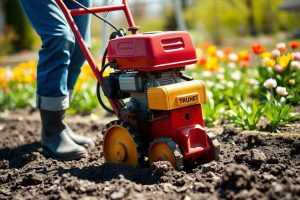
<point>159,108</point>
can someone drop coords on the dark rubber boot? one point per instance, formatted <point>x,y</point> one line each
<point>55,138</point>
<point>79,139</point>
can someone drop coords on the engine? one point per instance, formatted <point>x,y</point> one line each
<point>135,85</point>
<point>145,61</point>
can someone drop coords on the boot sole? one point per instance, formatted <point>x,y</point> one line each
<point>75,156</point>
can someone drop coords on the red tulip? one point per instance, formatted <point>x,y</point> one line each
<point>294,44</point>
<point>227,50</point>
<point>202,60</point>
<point>258,48</point>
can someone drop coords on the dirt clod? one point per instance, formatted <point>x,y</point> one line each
<point>31,179</point>
<point>296,148</point>
<point>4,164</point>
<point>118,194</point>
<point>237,178</point>
<point>230,131</point>
<point>257,157</point>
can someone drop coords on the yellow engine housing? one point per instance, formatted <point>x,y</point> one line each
<point>178,95</point>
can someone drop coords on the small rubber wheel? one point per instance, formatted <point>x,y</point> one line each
<point>164,149</point>
<point>119,144</point>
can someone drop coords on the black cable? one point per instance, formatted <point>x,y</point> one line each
<point>96,15</point>
<point>103,67</point>
<point>101,101</point>
<point>104,58</point>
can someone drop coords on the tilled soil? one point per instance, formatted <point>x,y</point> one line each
<point>251,166</point>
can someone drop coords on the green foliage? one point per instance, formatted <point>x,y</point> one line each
<point>245,115</point>
<point>5,43</point>
<point>228,93</point>
<point>170,23</point>
<point>18,95</point>
<point>223,18</point>
<point>85,101</point>
<point>230,84</point>
<point>279,113</point>
<point>218,16</point>
<point>212,112</point>
<point>265,21</point>
<point>23,95</point>
<point>17,24</point>
<point>269,19</point>
<point>155,24</point>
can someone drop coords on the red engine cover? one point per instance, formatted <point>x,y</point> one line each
<point>152,51</point>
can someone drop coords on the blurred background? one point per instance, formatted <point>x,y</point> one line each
<point>234,23</point>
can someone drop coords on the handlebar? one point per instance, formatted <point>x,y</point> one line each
<point>122,7</point>
<point>70,13</point>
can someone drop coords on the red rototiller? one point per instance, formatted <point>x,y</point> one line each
<point>158,107</point>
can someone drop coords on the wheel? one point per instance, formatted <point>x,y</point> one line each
<point>120,144</point>
<point>164,149</point>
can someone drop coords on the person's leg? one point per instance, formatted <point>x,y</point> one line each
<point>52,92</point>
<point>54,56</point>
<point>76,61</point>
<point>77,58</point>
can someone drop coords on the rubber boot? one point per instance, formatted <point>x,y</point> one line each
<point>55,138</point>
<point>78,139</point>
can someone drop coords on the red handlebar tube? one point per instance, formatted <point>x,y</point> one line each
<point>82,11</point>
<point>69,17</point>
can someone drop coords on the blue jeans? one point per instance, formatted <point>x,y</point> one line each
<point>60,57</point>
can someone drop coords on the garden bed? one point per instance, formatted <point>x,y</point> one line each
<point>253,165</point>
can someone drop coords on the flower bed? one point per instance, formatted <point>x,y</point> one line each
<point>243,90</point>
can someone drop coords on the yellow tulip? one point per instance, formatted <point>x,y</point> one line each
<point>242,54</point>
<point>211,50</point>
<point>25,72</point>
<point>269,62</point>
<point>78,86</point>
<point>29,79</point>
<point>292,81</point>
<point>212,64</point>
<point>266,55</point>
<point>3,81</point>
<point>86,71</point>
<point>284,60</point>
<point>31,64</point>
